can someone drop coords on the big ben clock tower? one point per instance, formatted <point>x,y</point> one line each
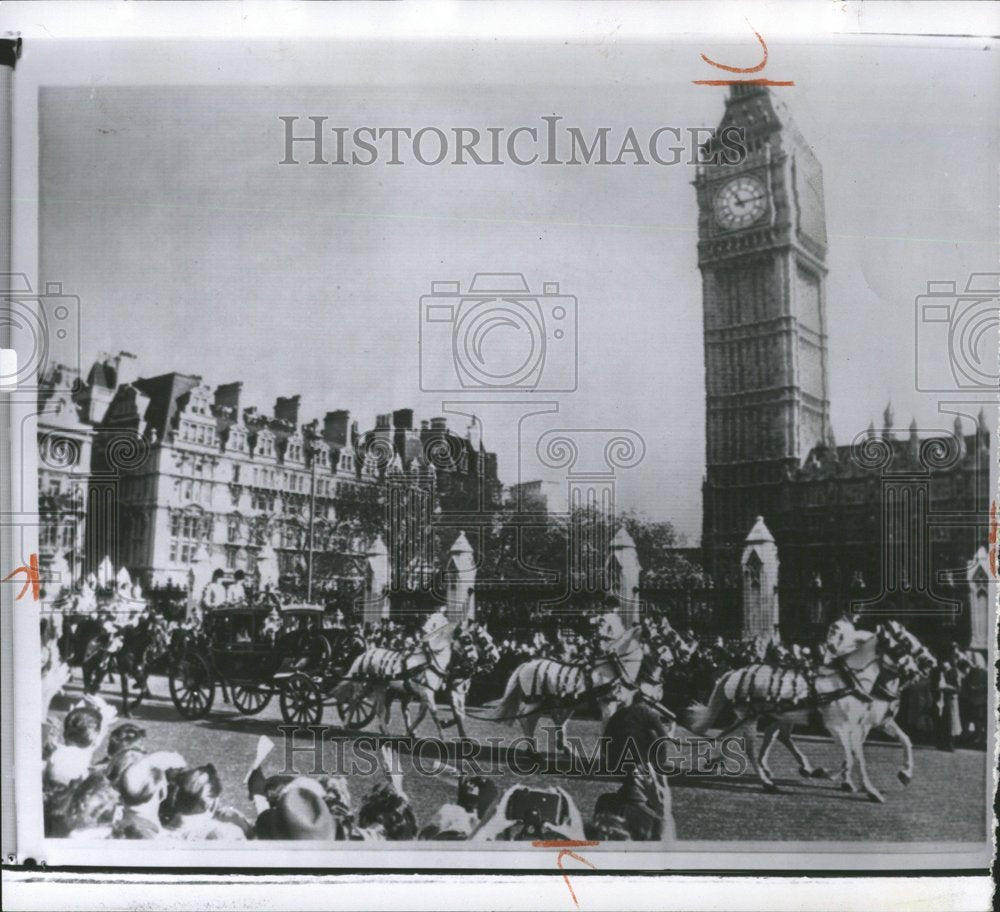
<point>762,255</point>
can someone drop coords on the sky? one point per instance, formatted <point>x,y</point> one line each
<point>164,208</point>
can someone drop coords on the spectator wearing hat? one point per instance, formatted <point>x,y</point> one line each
<point>193,812</point>
<point>300,812</point>
<point>637,807</point>
<point>643,801</point>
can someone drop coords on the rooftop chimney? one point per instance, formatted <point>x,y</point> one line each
<point>335,426</point>
<point>287,409</point>
<point>228,396</point>
<point>126,367</point>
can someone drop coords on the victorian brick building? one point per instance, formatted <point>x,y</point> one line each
<point>172,479</point>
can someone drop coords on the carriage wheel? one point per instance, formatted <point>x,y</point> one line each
<point>315,650</point>
<point>250,700</point>
<point>357,710</point>
<point>191,686</point>
<point>301,701</point>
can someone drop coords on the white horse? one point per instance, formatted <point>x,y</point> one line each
<point>420,673</point>
<point>788,694</point>
<point>473,652</point>
<point>555,688</point>
<point>912,661</point>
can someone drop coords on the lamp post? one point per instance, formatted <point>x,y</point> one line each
<point>310,440</point>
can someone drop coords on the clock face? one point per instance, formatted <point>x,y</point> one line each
<point>740,202</point>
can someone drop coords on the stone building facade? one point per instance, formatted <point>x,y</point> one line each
<point>888,523</point>
<point>173,479</point>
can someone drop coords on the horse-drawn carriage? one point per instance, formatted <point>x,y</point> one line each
<point>255,652</point>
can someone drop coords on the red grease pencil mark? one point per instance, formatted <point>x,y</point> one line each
<point>732,69</point>
<point>566,846</point>
<point>564,843</point>
<point>748,82</point>
<point>30,571</point>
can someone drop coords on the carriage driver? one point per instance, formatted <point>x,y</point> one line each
<point>236,594</point>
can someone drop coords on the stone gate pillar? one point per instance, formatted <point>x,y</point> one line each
<point>624,569</point>
<point>460,581</point>
<point>759,566</point>
<point>376,597</point>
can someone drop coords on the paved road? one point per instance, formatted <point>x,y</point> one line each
<point>945,802</point>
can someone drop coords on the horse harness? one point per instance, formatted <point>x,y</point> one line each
<point>590,691</point>
<point>407,672</point>
<point>812,699</point>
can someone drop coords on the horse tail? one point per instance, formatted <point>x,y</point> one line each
<point>512,699</point>
<point>701,715</point>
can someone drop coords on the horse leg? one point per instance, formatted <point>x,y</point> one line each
<point>383,708</point>
<point>765,746</point>
<point>561,745</point>
<point>123,674</point>
<point>431,705</point>
<point>529,722</point>
<point>750,740</point>
<point>92,676</point>
<point>857,738</point>
<point>847,768</point>
<point>892,729</point>
<point>806,769</point>
<point>457,701</point>
<point>404,711</point>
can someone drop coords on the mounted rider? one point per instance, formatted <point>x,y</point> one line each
<point>843,638</point>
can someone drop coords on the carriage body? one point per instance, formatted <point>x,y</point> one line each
<point>255,652</point>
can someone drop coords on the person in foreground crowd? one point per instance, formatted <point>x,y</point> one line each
<point>192,809</point>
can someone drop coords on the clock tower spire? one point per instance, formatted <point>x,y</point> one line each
<point>762,256</point>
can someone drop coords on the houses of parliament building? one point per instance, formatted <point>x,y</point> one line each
<point>892,522</point>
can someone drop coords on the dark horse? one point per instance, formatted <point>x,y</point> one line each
<point>129,653</point>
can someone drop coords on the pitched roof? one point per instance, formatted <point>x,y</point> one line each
<point>165,392</point>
